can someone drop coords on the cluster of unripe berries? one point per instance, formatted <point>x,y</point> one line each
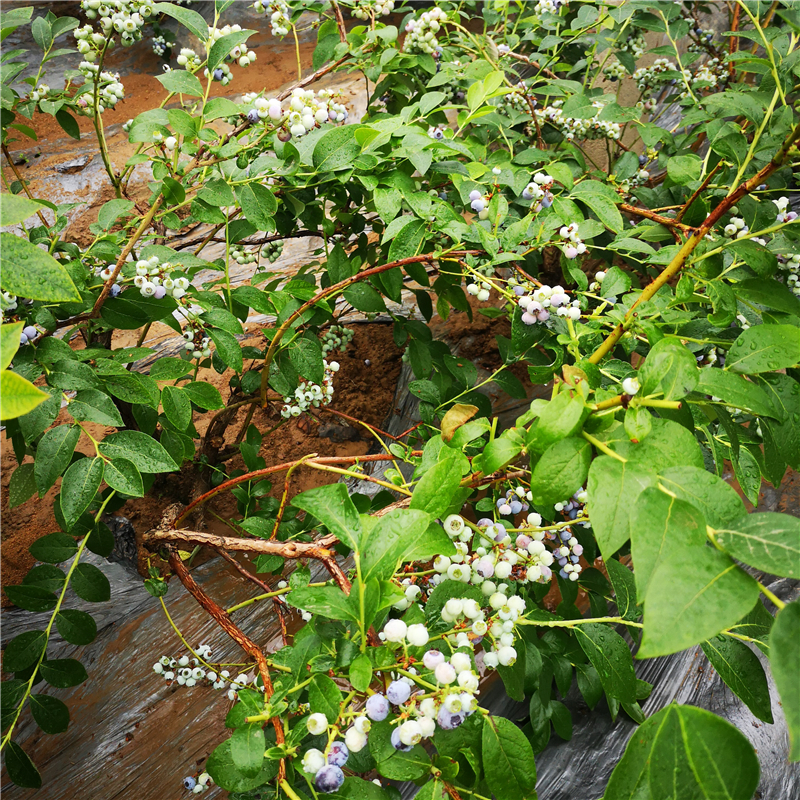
<point>110,92</point>
<point>480,291</point>
<point>648,79</point>
<point>309,110</point>
<point>710,75</point>
<point>368,9</point>
<point>41,92</point>
<point>573,244</point>
<point>271,251</point>
<point>791,266</point>
<point>614,71</point>
<point>198,345</point>
<point>126,17</point>
<point>239,54</point>
<point>702,41</point>
<point>635,44</point>
<point>736,228</point>
<point>548,7</point>
<point>539,191</point>
<point>8,302</point>
<point>188,59</point>
<point>161,45</point>
<point>309,394</point>
<point>199,784</point>
<point>188,672</point>
<point>337,337</point>
<point>242,256</point>
<point>514,101</point>
<point>574,128</point>
<point>784,214</point>
<point>421,32</point>
<point>262,108</point>
<point>154,279</point>
<point>279,15</point>
<point>538,306</point>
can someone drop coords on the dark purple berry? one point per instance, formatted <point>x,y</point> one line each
<point>189,783</point>
<point>329,779</point>
<point>447,720</point>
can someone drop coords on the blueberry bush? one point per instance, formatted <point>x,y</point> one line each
<point>647,258</point>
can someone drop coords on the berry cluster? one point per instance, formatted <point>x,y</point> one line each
<point>29,332</point>
<point>126,17</point>
<point>262,108</point>
<point>279,15</point>
<point>635,44</point>
<point>198,345</point>
<point>548,7</point>
<point>583,128</point>
<point>311,110</point>
<point>736,228</point>
<point>161,45</point>
<point>110,91</point>
<point>41,92</point>
<point>790,265</point>
<point>242,256</point>
<point>308,394</point>
<point>239,54</point>
<point>514,101</point>
<point>337,337</point>
<point>197,785</point>
<point>537,307</point>
<point>478,202</point>
<point>421,32</point>
<point>614,71</point>
<point>479,290</point>
<point>573,244</point>
<point>8,302</point>
<point>782,204</point>
<point>702,42</point>
<point>649,79</point>
<point>272,251</point>
<point>538,191</point>
<point>514,501</point>
<point>154,278</point>
<point>370,9</point>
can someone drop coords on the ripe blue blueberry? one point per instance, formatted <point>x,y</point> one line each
<point>478,205</point>
<point>377,708</point>
<point>448,721</point>
<point>397,744</point>
<point>252,115</point>
<point>30,331</point>
<point>218,74</point>
<point>398,692</point>
<point>338,754</point>
<point>329,779</point>
<point>115,289</point>
<point>189,783</point>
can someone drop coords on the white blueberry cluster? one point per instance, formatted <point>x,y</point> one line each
<point>514,101</point>
<point>188,59</point>
<point>337,337</point>
<point>309,394</point>
<point>575,128</point>
<point>421,32</point>
<point>279,15</point>
<point>370,9</point>
<point>309,110</point>
<point>736,228</point>
<point>790,265</point>
<point>272,251</point>
<point>573,246</point>
<point>539,191</point>
<point>635,44</point>
<point>110,89</point>
<point>262,108</point>
<point>538,306</point>
<point>242,256</point>
<point>614,71</point>
<point>154,278</point>
<point>548,7</point>
<point>202,782</point>
<point>125,17</point>
<point>8,302</point>
<point>784,214</point>
<point>188,672</point>
<point>41,92</point>
<point>160,45</point>
<point>480,291</point>
<point>710,75</point>
<point>599,277</point>
<point>648,79</point>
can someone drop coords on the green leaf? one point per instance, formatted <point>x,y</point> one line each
<point>54,548</point>
<point>332,506</point>
<point>326,601</point>
<point>258,204</point>
<point>177,406</point>
<point>9,338</point>
<point>92,405</point>
<point>669,444</point>
<point>170,369</point>
<point>228,349</point>
<point>204,395</point>
<point>596,195</point>
<point>179,81</point>
<point>735,390</point>
<point>223,46</point>
<point>611,658</point>
<point>122,475</point>
<point>188,18</point>
<point>324,697</point>
<point>784,657</point>
<point>15,209</point>
<point>142,450</point>
<point>435,491</point>
<point>684,169</point>
<point>765,540</point>
<point>112,210</point>
<point>79,487</point>
<point>247,749</point>
<point>22,485</point>
<point>716,499</point>
<point>507,760</point>
<point>21,769</point>
<point>388,541</point>
<point>226,775</point>
<point>769,293</point>
<point>683,752</point>
<point>560,471</point>
<point>741,670</point>
<point>624,588</point>
<point>50,714</point>
<point>24,650</point>
<point>561,417</point>
<point>669,369</point>
<point>498,453</point>
<point>63,673</point>
<point>614,487</point>
<point>764,348</point>
<point>19,395</point>
<point>76,627</point>
<point>306,357</point>
<point>693,595</point>
<point>29,271</point>
<point>90,584</point>
<point>337,148</point>
<point>31,598</point>
<point>364,297</point>
<point>360,673</point>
